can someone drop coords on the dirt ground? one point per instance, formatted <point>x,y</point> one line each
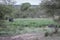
<point>32,36</point>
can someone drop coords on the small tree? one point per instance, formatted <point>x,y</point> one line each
<point>25,6</point>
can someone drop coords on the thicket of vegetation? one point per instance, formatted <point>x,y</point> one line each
<point>8,11</point>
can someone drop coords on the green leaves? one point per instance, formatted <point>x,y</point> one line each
<point>5,9</point>
<point>52,8</point>
<point>25,6</point>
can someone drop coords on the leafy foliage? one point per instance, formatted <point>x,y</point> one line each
<point>52,7</point>
<point>4,10</point>
<point>25,6</point>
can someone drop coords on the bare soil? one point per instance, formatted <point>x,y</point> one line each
<point>32,36</point>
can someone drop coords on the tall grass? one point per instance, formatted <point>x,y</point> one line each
<point>19,25</point>
<point>31,22</point>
